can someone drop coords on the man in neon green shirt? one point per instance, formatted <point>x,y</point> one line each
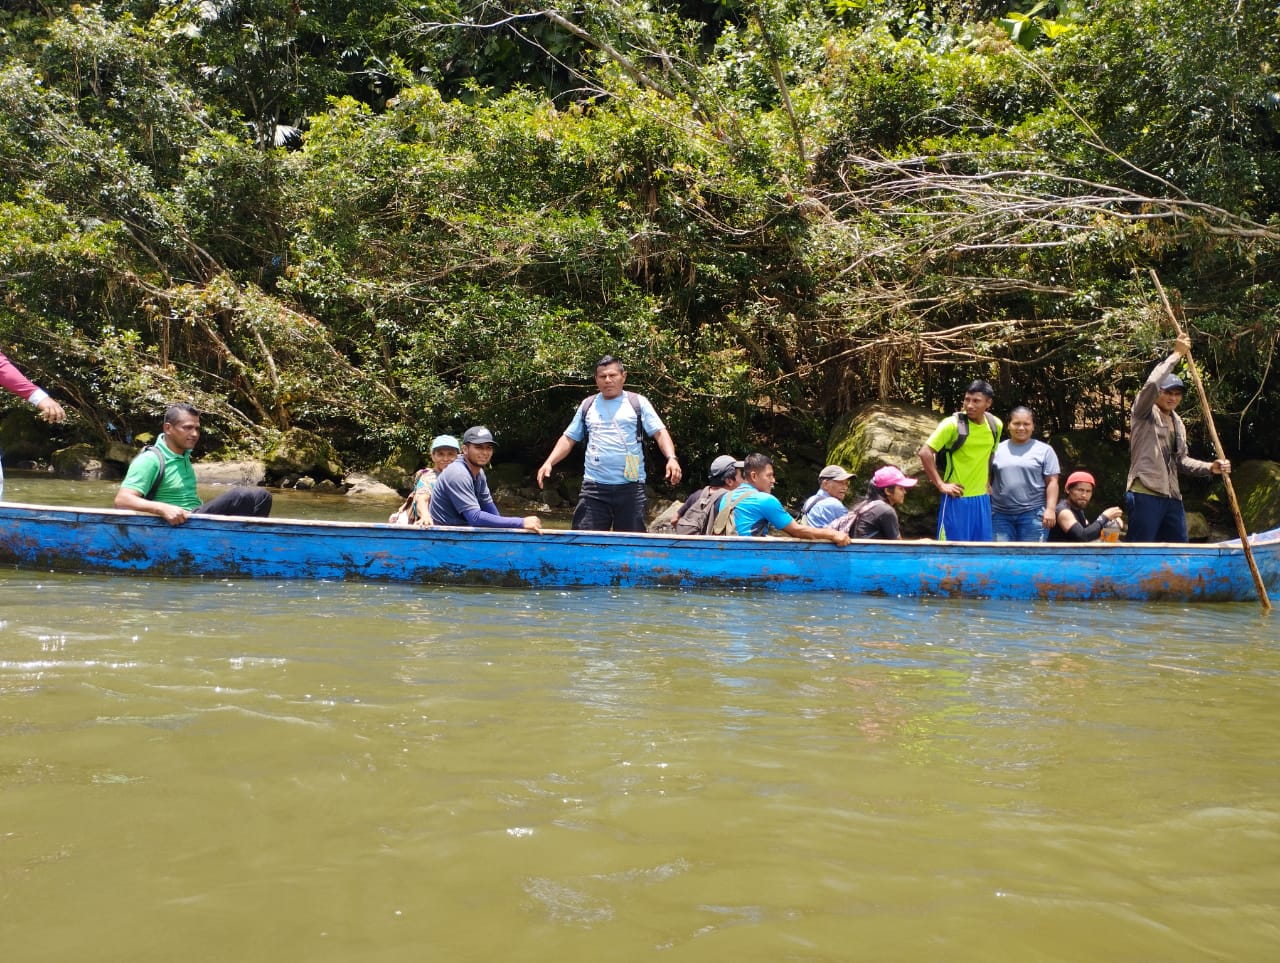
<point>969,440</point>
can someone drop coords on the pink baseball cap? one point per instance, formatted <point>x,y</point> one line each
<point>888,476</point>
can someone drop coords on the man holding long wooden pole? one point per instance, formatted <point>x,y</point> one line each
<point>1158,452</point>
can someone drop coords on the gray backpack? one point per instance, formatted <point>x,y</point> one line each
<point>701,514</point>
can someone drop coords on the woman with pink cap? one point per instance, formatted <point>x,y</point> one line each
<point>876,516</point>
<point>1072,525</point>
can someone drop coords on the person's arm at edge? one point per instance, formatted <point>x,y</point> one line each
<point>133,501</point>
<point>19,384</point>
<point>479,518</point>
<point>929,462</point>
<point>564,445</point>
<point>1050,516</point>
<point>668,449</point>
<point>796,530</point>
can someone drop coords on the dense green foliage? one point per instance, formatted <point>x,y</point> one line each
<point>379,220</point>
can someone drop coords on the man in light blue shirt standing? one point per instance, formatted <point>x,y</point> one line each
<point>612,424</point>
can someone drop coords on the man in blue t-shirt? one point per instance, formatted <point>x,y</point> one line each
<point>611,423</point>
<point>756,510</point>
<point>461,494</point>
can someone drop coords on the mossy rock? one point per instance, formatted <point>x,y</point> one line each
<point>301,452</point>
<point>398,469</point>
<point>1257,488</point>
<point>888,433</point>
<point>881,433</point>
<point>77,461</point>
<point>120,453</point>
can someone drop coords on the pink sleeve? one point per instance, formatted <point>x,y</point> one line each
<point>14,380</point>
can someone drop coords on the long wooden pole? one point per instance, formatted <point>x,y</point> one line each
<point>1217,447</point>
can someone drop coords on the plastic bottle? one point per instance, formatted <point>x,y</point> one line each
<point>1111,531</point>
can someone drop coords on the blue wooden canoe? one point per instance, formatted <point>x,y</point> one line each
<point>107,540</point>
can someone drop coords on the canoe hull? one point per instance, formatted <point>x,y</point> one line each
<point>106,540</point>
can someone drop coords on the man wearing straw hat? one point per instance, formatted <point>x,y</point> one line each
<point>1158,452</point>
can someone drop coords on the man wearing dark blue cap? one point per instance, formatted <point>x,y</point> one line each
<point>1157,452</point>
<point>461,495</point>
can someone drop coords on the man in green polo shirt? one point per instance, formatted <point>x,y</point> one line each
<point>171,492</point>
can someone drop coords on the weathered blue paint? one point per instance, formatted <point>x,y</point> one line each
<point>107,540</point>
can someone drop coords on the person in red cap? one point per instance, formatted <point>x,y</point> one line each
<point>1073,525</point>
<point>1157,453</point>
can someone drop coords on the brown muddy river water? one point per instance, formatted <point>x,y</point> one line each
<point>269,771</point>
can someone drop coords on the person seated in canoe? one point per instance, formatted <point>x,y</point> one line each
<point>827,504</point>
<point>698,512</point>
<point>416,509</point>
<point>161,481</point>
<point>461,494</point>
<point>1073,525</point>
<point>876,516</point>
<point>754,510</point>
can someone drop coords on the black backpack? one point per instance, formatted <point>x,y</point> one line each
<point>701,514</point>
<point>944,458</point>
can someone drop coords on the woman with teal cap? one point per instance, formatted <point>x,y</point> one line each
<point>415,510</point>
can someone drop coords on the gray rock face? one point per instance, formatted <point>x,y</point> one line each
<point>881,433</point>
<point>1257,488</point>
<point>665,522</point>
<point>886,433</point>
<point>362,485</point>
<point>78,461</point>
<point>247,472</point>
<point>300,453</point>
